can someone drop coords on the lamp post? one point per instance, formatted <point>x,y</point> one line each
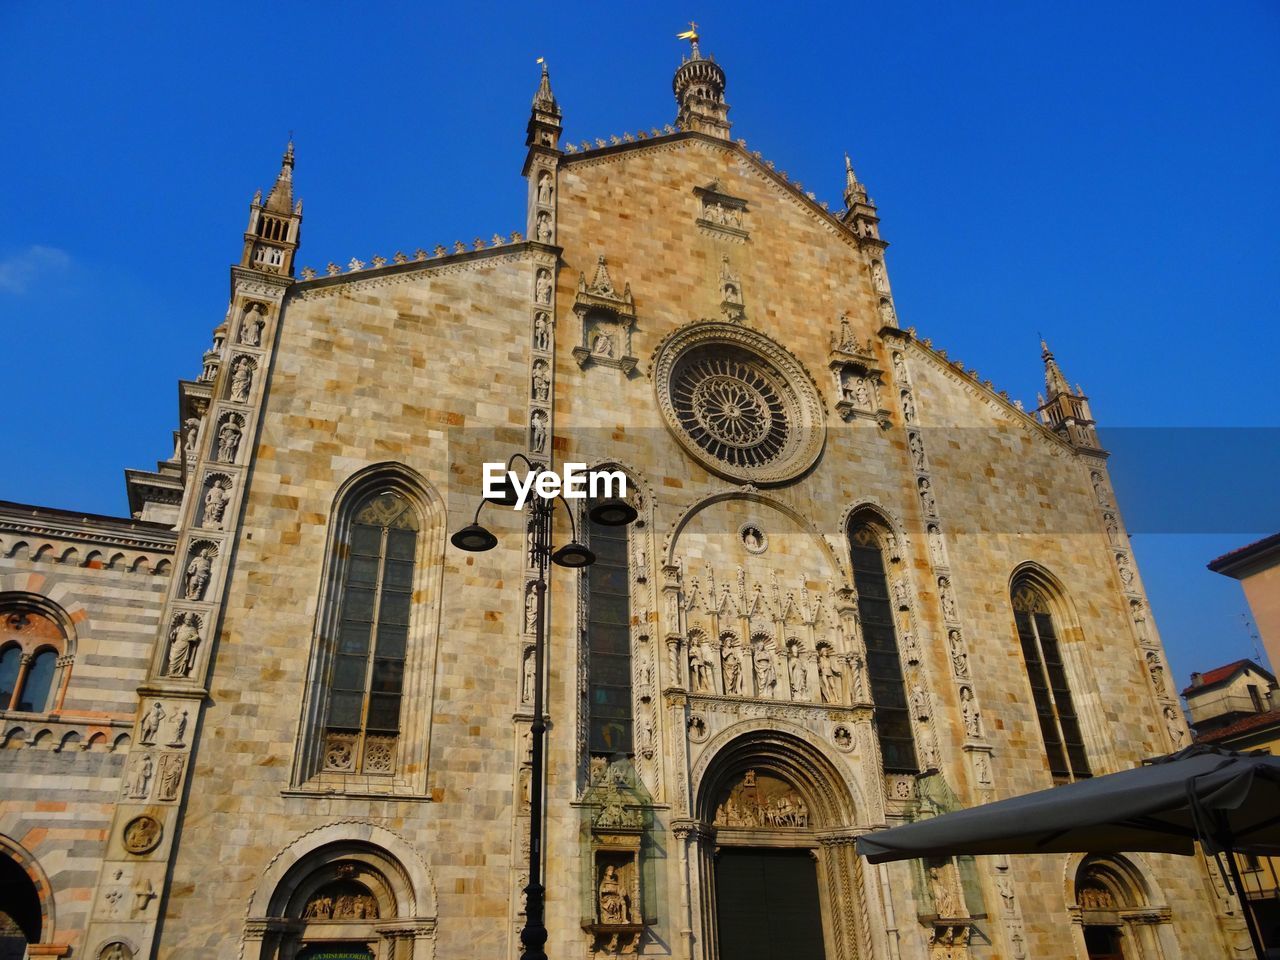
<point>475,538</point>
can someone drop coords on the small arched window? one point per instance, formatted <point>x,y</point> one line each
<point>884,665</point>
<point>366,676</point>
<point>32,644</point>
<point>1055,709</point>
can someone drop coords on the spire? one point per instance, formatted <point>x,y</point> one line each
<point>280,199</point>
<point>1065,413</point>
<point>859,211</point>
<point>544,101</point>
<point>1054,382</point>
<point>854,192</point>
<point>699,88</point>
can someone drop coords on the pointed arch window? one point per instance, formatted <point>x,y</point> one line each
<point>884,665</point>
<point>609,643</point>
<point>366,676</point>
<point>1055,709</point>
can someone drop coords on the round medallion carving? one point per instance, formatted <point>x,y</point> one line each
<point>739,403</point>
<point>142,834</point>
<point>753,537</point>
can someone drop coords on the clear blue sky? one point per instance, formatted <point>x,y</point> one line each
<point>1103,173</point>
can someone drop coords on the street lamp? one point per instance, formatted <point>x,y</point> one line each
<point>474,538</point>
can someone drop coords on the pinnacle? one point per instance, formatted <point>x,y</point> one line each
<point>280,199</point>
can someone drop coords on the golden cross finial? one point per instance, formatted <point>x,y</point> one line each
<point>691,34</point>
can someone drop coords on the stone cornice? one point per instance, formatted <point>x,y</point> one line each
<point>541,253</point>
<point>92,528</point>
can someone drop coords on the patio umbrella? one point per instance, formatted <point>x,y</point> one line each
<point>1226,801</point>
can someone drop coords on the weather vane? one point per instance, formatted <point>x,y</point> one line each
<point>691,34</point>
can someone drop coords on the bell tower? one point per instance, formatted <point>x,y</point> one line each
<point>699,88</point>
<point>271,239</point>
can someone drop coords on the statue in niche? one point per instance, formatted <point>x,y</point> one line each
<point>612,899</point>
<point>731,660</point>
<point>1099,487</point>
<point>183,640</point>
<point>959,659</point>
<point>215,505</point>
<point>190,434</point>
<point>948,600</point>
<point>180,730</point>
<point>1126,571</point>
<point>1113,529</point>
<point>935,545</point>
<point>917,450</point>
<point>919,701</point>
<point>900,593</point>
<point>115,951</point>
<point>541,382</point>
<point>945,901</point>
<point>969,712</point>
<point>908,407</point>
<point>544,228</point>
<point>541,332</point>
<point>926,498</point>
<point>753,539</point>
<point>527,678</point>
<point>544,188</point>
<point>766,670</point>
<point>828,676</point>
<point>1097,898</point>
<point>910,647</point>
<point>862,396</point>
<point>138,783</point>
<point>602,344</point>
<point>170,778</point>
<point>228,441</point>
<point>151,723</point>
<point>929,747</point>
<point>644,671</point>
<point>798,675</point>
<point>530,608</point>
<point>252,324</point>
<point>899,367</point>
<point>700,675</point>
<point>877,274</point>
<point>198,572</point>
<point>640,561</point>
<point>843,737</point>
<point>538,431</point>
<point>543,286</point>
<point>982,767</point>
<point>1156,670</point>
<point>1173,724</point>
<point>241,379</point>
<point>886,313</point>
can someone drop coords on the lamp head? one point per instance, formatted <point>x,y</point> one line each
<point>573,555</point>
<point>612,512</point>
<point>474,539</point>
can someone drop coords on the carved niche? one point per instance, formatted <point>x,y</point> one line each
<point>615,804</point>
<point>720,214</point>
<point>606,318</point>
<point>859,381</point>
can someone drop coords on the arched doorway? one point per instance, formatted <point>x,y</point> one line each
<point>779,876</point>
<point>26,904</point>
<point>1115,910</point>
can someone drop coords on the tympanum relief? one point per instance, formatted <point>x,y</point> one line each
<point>762,801</point>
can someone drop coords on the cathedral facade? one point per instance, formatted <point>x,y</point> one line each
<point>276,714</point>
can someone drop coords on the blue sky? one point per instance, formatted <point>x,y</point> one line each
<point>1102,173</point>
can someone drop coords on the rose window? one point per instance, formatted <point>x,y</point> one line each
<point>731,408</point>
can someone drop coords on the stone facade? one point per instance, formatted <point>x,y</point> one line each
<point>682,312</point>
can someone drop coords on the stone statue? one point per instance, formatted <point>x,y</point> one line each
<point>948,600</point>
<point>1113,529</point>
<point>1099,486</point>
<point>151,723</point>
<point>530,609</point>
<point>228,441</point>
<point>197,576</point>
<point>917,450</point>
<point>731,658</point>
<point>602,345</point>
<point>899,368</point>
<point>701,678</point>
<point>1156,670</point>
<point>982,767</point>
<point>170,778</point>
<point>877,275</point>
<point>919,701</point>
<point>613,905</point>
<point>908,407</point>
<point>183,640</point>
<point>544,228</point>
<point>798,676</point>
<point>1126,571</point>
<point>945,902</point>
<point>1172,723</point>
<point>910,647</point>
<point>886,313</point>
<point>215,505</point>
<point>936,548</point>
<point>115,951</point>
<point>241,379</point>
<point>828,676</point>
<point>862,395</point>
<point>541,332</point>
<point>959,659</point>
<point>544,188</point>
<point>180,730</point>
<point>138,783</point>
<point>251,326</point>
<point>527,678</point>
<point>541,382</point>
<point>544,286</point>
<point>969,711</point>
<point>926,498</point>
<point>766,671</point>
<point>900,593</point>
<point>190,434</point>
<point>538,431</point>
